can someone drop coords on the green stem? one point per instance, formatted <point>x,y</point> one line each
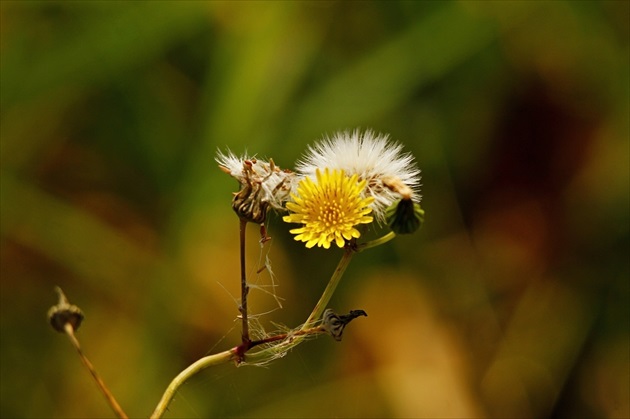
<point>330,289</point>
<point>376,242</point>
<point>289,340</point>
<point>292,340</point>
<point>182,377</point>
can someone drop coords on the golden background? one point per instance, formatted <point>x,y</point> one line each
<point>512,301</point>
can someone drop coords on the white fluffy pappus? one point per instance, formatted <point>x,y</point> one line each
<point>371,156</point>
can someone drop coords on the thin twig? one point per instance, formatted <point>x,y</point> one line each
<point>244,288</point>
<point>99,382</point>
<point>275,338</point>
<point>66,318</point>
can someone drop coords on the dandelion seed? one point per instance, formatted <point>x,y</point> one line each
<point>329,208</point>
<point>263,185</point>
<point>388,172</point>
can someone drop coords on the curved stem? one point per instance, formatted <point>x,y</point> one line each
<point>376,242</point>
<point>182,377</point>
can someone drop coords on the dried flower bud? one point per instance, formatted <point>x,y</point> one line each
<point>263,186</point>
<point>247,203</point>
<point>64,313</point>
<point>334,324</point>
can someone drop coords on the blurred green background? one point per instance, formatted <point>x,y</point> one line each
<point>512,301</point>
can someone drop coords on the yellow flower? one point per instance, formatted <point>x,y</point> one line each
<point>329,208</point>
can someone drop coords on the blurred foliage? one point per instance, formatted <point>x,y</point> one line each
<point>512,301</point>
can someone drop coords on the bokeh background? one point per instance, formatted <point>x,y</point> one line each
<point>512,301</point>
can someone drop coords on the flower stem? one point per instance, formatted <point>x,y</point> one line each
<point>182,377</point>
<point>330,289</point>
<point>286,341</point>
<point>244,288</point>
<point>99,381</point>
<point>291,340</point>
<point>376,242</point>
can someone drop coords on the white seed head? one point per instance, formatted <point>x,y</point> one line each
<point>390,173</point>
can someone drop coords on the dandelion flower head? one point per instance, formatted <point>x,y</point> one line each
<point>374,159</point>
<point>329,208</point>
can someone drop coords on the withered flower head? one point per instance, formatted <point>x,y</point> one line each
<point>263,185</point>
